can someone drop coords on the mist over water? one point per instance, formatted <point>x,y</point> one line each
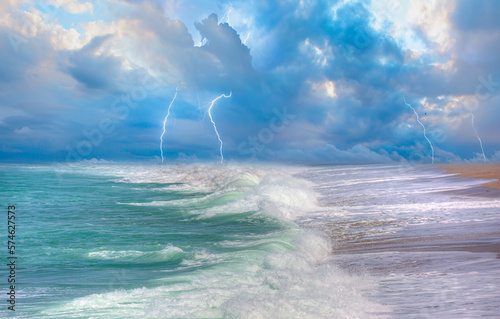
<point>245,241</point>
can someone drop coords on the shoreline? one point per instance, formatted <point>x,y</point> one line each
<point>465,241</point>
<point>480,171</point>
<point>471,242</point>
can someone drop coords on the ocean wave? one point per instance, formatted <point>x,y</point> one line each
<point>168,253</point>
<point>299,283</point>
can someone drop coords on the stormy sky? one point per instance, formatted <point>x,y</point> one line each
<point>310,81</point>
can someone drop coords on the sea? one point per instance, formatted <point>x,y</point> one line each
<point>236,240</point>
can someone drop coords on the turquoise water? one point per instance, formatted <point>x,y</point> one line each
<point>123,241</point>
<point>114,240</point>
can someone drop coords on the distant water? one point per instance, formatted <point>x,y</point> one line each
<point>242,241</point>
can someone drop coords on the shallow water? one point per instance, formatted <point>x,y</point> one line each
<point>432,242</point>
<point>243,241</point>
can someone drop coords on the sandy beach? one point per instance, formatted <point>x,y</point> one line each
<point>484,171</point>
<point>431,239</point>
<point>472,241</point>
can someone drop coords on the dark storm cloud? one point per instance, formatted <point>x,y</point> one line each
<point>92,70</point>
<point>340,82</point>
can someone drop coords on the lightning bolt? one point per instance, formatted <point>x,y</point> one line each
<point>165,122</point>
<point>477,135</point>
<point>418,120</point>
<point>226,14</point>
<point>213,123</point>
<point>246,39</point>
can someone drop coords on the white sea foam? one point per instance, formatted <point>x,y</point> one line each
<point>164,254</point>
<point>299,283</point>
<point>252,241</point>
<point>290,273</point>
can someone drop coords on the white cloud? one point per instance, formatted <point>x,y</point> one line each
<point>432,19</point>
<point>26,26</point>
<point>4,4</point>
<point>75,7</point>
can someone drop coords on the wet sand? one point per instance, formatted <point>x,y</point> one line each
<point>483,171</point>
<point>431,240</point>
<point>471,242</point>
<point>475,242</point>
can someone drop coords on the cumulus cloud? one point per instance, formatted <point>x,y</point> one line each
<point>341,76</point>
<point>94,70</point>
<point>74,6</point>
